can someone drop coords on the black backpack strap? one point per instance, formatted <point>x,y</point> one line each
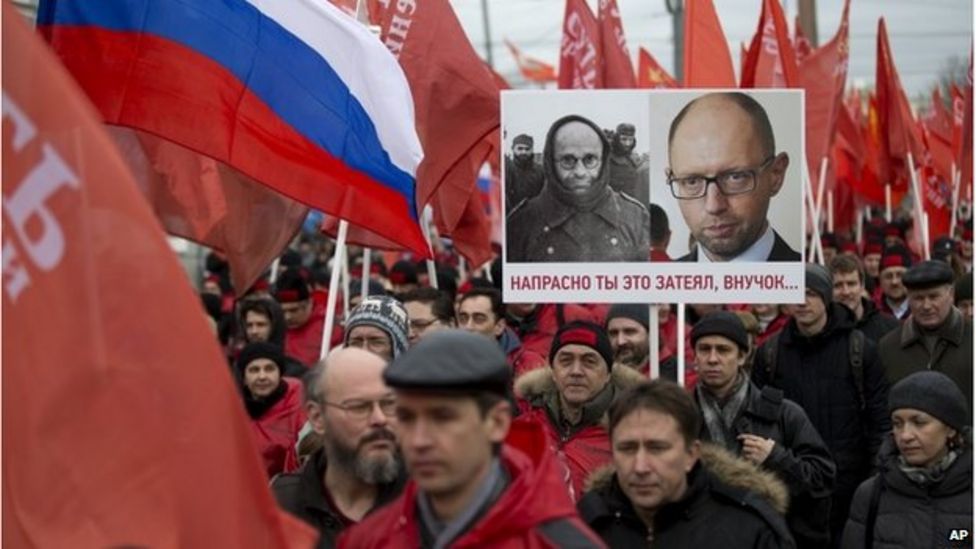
<point>770,401</point>
<point>872,517</point>
<point>769,354</point>
<point>856,358</point>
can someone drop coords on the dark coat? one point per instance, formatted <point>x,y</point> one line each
<point>629,175</point>
<point>545,229</point>
<point>728,504</point>
<point>874,323</point>
<point>521,183</point>
<point>302,494</point>
<point>910,515</point>
<point>799,458</point>
<point>903,352</point>
<point>781,252</point>
<point>815,372</point>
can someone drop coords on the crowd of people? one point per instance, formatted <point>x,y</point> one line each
<point>447,417</point>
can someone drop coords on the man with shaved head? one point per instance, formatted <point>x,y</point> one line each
<point>725,138</point>
<point>578,216</point>
<point>358,469</point>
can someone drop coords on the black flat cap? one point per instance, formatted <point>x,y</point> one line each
<point>451,361</point>
<point>927,274</point>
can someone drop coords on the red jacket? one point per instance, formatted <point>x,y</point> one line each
<point>276,432</point>
<point>305,342</point>
<point>534,498</point>
<point>536,331</point>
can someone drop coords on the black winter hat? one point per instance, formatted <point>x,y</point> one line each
<point>581,332</point>
<point>634,311</point>
<point>818,280</point>
<point>260,349</point>
<point>721,323</point>
<point>933,393</point>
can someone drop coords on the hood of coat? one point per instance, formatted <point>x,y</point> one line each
<point>727,469</point>
<point>539,383</point>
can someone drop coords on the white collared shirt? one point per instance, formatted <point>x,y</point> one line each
<point>759,251</point>
<point>901,310</point>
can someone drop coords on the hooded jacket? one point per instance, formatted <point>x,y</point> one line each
<point>292,367</point>
<point>276,430</point>
<point>911,515</point>
<point>585,447</point>
<point>533,511</point>
<point>729,503</point>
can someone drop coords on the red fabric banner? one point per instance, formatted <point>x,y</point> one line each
<point>899,134</point>
<point>531,68</point>
<point>580,53</point>
<point>112,435</point>
<point>770,60</point>
<point>707,62</point>
<point>650,73</point>
<point>618,70</point>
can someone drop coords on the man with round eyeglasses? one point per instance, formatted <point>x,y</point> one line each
<point>578,216</point>
<point>724,171</point>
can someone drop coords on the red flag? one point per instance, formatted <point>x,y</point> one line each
<point>650,74</point>
<point>823,75</point>
<point>112,435</point>
<point>470,228</point>
<point>206,201</point>
<point>899,135</point>
<point>770,61</point>
<point>958,116</point>
<point>531,68</point>
<point>966,144</point>
<point>618,70</point>
<point>580,53</point>
<point>936,199</point>
<point>707,63</point>
<point>801,43</point>
<point>938,119</point>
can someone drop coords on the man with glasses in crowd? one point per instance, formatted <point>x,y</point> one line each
<point>578,216</point>
<point>726,138</point>
<point>358,469</point>
<point>428,310</point>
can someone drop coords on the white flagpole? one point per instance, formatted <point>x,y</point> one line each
<point>918,205</point>
<point>431,269</point>
<point>367,267</point>
<point>830,211</point>
<point>274,269</point>
<point>681,344</point>
<point>340,252</point>
<point>888,202</point>
<point>816,249</point>
<point>654,340</point>
<point>956,176</point>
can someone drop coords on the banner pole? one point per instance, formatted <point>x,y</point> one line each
<point>816,248</point>
<point>654,342</point>
<point>888,202</point>
<point>681,344</point>
<point>367,272</point>
<point>334,287</point>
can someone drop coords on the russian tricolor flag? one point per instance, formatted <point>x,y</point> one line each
<point>294,94</point>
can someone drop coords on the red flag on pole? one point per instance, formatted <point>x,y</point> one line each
<point>899,134</point>
<point>650,73</point>
<point>618,70</point>
<point>580,53</point>
<point>112,435</point>
<point>801,43</point>
<point>531,68</point>
<point>707,62</point>
<point>958,116</point>
<point>770,61</point>
<point>965,162</point>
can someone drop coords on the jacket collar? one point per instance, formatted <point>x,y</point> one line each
<point>951,330</point>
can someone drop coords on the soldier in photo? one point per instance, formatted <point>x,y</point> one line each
<point>629,172</point>
<point>523,175</point>
<point>578,216</point>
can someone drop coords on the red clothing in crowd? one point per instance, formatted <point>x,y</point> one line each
<point>523,360</point>
<point>305,342</point>
<point>276,432</point>
<point>773,328</point>
<point>536,332</point>
<point>535,496</point>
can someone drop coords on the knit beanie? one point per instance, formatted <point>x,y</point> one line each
<point>818,280</point>
<point>582,332</point>
<point>635,311</point>
<point>933,393</point>
<point>381,312</point>
<point>721,323</point>
<point>260,349</point>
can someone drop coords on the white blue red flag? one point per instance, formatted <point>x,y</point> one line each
<point>295,95</point>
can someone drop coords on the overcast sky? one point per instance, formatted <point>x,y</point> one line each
<point>923,34</point>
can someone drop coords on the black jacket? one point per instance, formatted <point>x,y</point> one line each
<point>781,252</point>
<point>911,515</point>
<point>302,494</point>
<point>799,458</point>
<point>714,513</point>
<point>816,373</point>
<point>874,323</point>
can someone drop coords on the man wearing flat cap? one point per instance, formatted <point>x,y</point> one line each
<point>761,426</point>
<point>935,336</point>
<point>629,172</point>
<point>523,175</point>
<point>570,399</point>
<point>469,487</point>
<point>578,216</point>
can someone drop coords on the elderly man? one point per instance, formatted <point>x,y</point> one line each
<point>570,399</point>
<point>893,298</point>
<point>379,325</point>
<point>665,490</point>
<point>523,176</point>
<point>935,336</point>
<point>468,487</point>
<point>578,216</point>
<point>358,469</point>
<point>628,170</point>
<point>725,138</point>
<point>761,426</point>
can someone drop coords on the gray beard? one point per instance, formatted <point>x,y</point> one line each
<point>377,470</point>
